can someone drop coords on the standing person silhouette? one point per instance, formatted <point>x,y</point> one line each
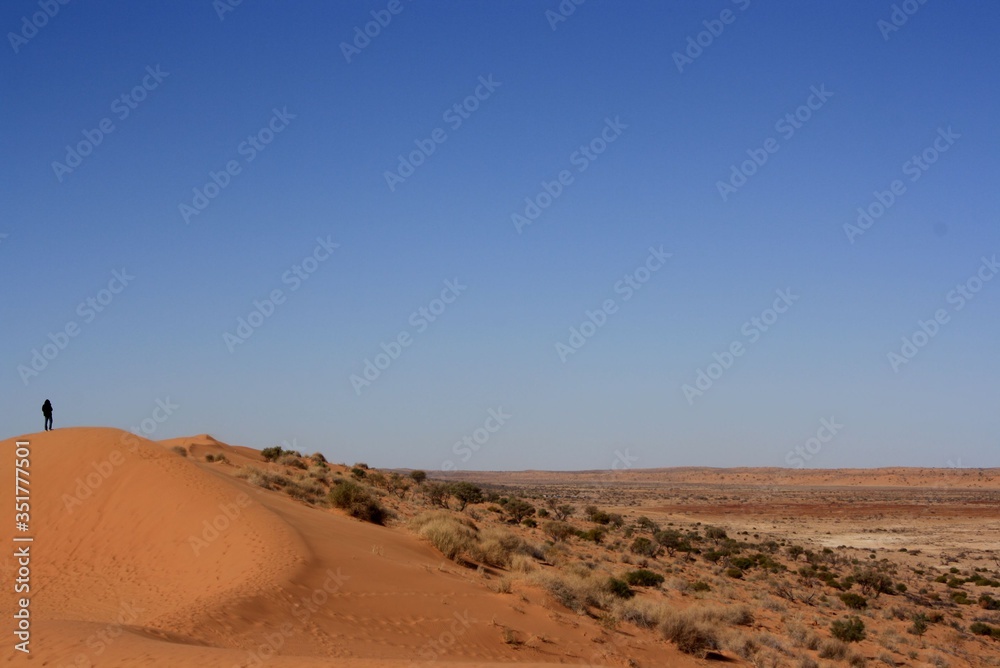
<point>47,412</point>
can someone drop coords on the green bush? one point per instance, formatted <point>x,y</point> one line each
<point>643,547</point>
<point>418,476</point>
<point>358,502</point>
<point>272,453</point>
<point>619,588</point>
<point>600,517</point>
<point>851,629</point>
<point>672,541</point>
<point>465,493</point>
<point>700,586</point>
<point>987,602</point>
<point>643,578</point>
<point>919,626</point>
<point>854,601</point>
<point>646,524</point>
<point>518,509</point>
<point>874,582</point>
<point>981,629</point>
<point>734,572</point>
<point>715,533</point>
<point>558,531</point>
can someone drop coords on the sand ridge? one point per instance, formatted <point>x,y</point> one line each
<point>145,557</point>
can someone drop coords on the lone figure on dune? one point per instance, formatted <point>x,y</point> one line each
<point>47,412</point>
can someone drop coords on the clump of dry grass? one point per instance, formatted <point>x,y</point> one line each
<point>288,459</point>
<point>803,637</point>
<point>696,630</point>
<point>740,644</point>
<point>642,612</point>
<point>496,547</point>
<point>502,586</point>
<point>576,590</point>
<point>522,563</point>
<point>833,649</point>
<point>690,632</point>
<point>261,478</point>
<point>180,450</point>
<point>456,537</point>
<point>306,490</point>
<point>452,535</point>
<point>320,473</point>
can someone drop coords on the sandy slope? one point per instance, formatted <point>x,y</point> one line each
<point>128,570</point>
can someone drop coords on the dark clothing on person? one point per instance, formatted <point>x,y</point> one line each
<point>47,412</point>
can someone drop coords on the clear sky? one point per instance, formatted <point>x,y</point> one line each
<point>677,170</point>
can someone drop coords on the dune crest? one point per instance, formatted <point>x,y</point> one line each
<point>142,552</point>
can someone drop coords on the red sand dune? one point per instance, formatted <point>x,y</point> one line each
<point>127,569</point>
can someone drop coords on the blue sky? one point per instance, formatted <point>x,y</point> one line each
<point>643,139</point>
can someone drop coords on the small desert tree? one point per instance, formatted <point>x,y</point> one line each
<point>564,511</point>
<point>644,547</point>
<point>851,629</point>
<point>465,493</point>
<point>436,493</point>
<point>672,541</point>
<point>272,453</point>
<point>558,531</point>
<point>518,509</point>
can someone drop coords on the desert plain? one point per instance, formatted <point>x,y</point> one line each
<point>195,552</point>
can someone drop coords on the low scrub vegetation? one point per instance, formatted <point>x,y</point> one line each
<point>358,501</point>
<point>643,578</point>
<point>457,537</point>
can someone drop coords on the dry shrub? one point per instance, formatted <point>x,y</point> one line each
<point>576,592</point>
<point>556,554</point>
<point>358,501</point>
<point>522,563</point>
<point>767,659</point>
<point>306,490</point>
<point>833,649</point>
<point>733,615</point>
<point>452,535</point>
<point>856,659</point>
<point>291,460</point>
<point>767,640</point>
<point>803,637</point>
<point>561,589</point>
<point>180,450</point>
<point>457,536</point>
<point>320,474</point>
<point>496,547</point>
<point>502,586</point>
<point>644,613</point>
<point>689,631</point>
<point>265,479</point>
<point>740,644</point>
